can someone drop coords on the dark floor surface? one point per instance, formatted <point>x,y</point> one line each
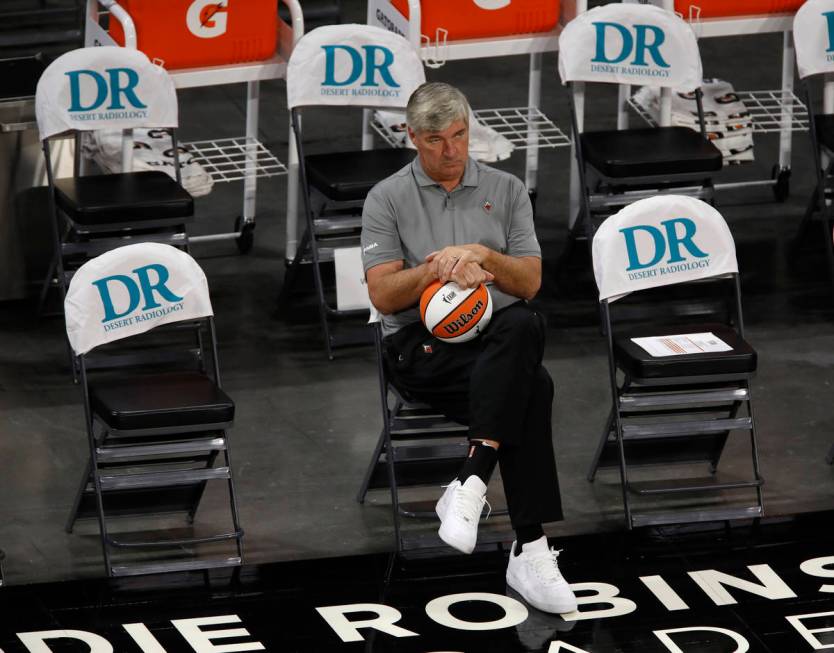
<point>305,427</point>
<point>762,588</point>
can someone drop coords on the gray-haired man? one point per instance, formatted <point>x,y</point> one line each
<point>445,216</point>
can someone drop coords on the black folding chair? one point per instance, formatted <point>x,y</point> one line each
<point>108,88</point>
<point>812,38</point>
<point>342,66</point>
<point>417,447</point>
<point>157,425</point>
<point>681,402</point>
<point>625,44</point>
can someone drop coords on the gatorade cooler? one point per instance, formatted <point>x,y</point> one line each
<point>718,8</point>
<point>196,33</point>
<point>471,19</point>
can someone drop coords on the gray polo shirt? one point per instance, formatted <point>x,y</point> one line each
<point>409,215</point>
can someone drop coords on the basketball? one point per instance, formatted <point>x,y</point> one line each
<point>454,314</point>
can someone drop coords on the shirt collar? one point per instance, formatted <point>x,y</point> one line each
<point>470,174</point>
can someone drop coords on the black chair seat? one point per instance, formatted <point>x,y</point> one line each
<point>649,151</point>
<point>160,400</point>
<point>637,362</point>
<point>344,176</point>
<point>99,200</point>
<point>825,129</point>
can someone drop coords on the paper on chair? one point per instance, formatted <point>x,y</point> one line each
<point>678,345</point>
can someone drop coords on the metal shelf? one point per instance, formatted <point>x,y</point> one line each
<point>520,123</point>
<point>770,111</point>
<point>516,124</point>
<point>235,159</point>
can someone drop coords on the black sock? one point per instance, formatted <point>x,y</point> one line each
<point>480,463</point>
<point>526,534</point>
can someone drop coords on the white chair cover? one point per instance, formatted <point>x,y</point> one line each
<point>130,290</point>
<point>634,44</point>
<point>104,88</point>
<point>813,33</point>
<point>353,65</point>
<point>661,241</point>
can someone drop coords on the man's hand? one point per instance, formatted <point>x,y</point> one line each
<point>519,276</point>
<point>459,264</point>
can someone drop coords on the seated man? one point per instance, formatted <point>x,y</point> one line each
<point>446,216</point>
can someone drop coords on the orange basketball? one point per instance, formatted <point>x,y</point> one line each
<point>455,314</point>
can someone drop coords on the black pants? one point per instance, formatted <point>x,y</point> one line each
<point>497,386</point>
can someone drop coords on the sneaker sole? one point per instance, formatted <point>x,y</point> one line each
<point>455,542</point>
<point>552,609</point>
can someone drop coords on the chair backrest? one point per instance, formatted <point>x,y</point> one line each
<point>661,241</point>
<point>104,88</point>
<point>813,30</point>
<point>353,65</point>
<point>131,290</point>
<point>630,44</point>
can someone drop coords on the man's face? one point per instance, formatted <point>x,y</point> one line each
<point>443,154</point>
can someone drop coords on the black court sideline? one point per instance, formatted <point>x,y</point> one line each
<point>759,587</point>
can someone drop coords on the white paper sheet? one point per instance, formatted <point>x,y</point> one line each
<point>678,345</point>
<point>351,290</point>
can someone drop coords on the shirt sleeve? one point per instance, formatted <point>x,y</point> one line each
<point>521,238</point>
<point>380,237</point>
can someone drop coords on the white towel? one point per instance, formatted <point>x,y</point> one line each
<point>151,151</point>
<point>727,121</point>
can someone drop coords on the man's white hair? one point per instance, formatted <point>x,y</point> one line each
<point>434,106</point>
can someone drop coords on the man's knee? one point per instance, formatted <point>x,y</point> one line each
<point>521,322</point>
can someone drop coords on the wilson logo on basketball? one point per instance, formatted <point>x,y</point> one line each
<point>463,319</point>
<point>455,314</point>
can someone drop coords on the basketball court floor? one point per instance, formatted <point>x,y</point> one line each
<point>763,588</point>
<point>317,562</point>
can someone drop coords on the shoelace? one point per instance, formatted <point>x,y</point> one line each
<point>467,508</point>
<point>545,566</point>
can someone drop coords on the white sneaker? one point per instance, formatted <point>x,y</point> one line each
<point>535,575</point>
<point>459,510</point>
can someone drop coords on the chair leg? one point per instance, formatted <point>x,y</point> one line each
<point>192,512</point>
<point>363,489</point>
<point>292,270</point>
<point>623,465</point>
<point>606,434</point>
<point>805,225</point>
<point>79,495</point>
<point>392,478</point>
<point>754,450</point>
<point>323,309</point>
<point>828,243</point>
<point>233,501</point>
<point>46,285</point>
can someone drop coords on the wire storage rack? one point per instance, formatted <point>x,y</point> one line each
<point>524,127</point>
<point>235,159</point>
<point>770,112</point>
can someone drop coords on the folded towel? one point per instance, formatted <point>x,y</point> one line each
<point>151,151</point>
<point>727,121</point>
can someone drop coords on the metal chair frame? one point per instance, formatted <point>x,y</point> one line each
<point>712,403</point>
<point>142,449</point>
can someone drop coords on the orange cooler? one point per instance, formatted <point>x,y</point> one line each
<point>464,19</point>
<point>195,33</point>
<point>718,8</point>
